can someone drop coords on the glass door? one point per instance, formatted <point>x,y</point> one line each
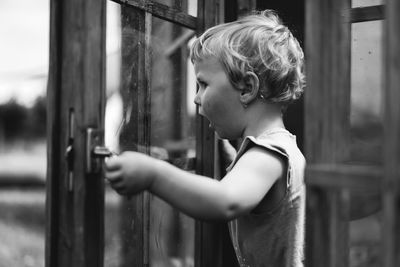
<point>150,109</point>
<point>120,76</point>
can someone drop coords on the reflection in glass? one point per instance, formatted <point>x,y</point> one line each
<point>366,92</point>
<point>172,131</point>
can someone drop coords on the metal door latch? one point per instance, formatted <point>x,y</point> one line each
<point>69,151</point>
<point>95,152</point>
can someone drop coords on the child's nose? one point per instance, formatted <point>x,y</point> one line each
<point>197,99</point>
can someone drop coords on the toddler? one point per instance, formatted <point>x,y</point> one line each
<point>248,72</point>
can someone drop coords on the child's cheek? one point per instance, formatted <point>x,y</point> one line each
<point>207,105</point>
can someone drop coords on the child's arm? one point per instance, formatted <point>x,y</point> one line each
<point>237,193</point>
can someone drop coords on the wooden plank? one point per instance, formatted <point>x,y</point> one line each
<point>327,218</point>
<point>53,132</point>
<point>363,14</point>
<point>178,4</point>
<point>327,99</point>
<point>161,11</point>
<point>344,176</point>
<point>77,75</point>
<point>327,107</point>
<point>391,220</point>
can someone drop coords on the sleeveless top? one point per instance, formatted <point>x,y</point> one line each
<point>274,238</point>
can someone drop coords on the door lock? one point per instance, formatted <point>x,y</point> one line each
<point>95,151</point>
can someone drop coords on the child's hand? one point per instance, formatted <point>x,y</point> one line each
<point>130,173</point>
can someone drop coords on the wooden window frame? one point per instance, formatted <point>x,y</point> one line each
<point>327,105</point>
<point>391,181</point>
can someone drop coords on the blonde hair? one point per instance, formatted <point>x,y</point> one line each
<point>261,44</point>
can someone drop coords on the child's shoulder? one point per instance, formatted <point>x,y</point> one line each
<point>277,139</point>
<point>281,142</point>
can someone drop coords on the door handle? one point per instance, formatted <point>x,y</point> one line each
<point>102,152</point>
<point>95,151</point>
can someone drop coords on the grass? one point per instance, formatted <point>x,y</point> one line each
<point>22,228</point>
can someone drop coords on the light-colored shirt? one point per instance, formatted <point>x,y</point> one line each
<point>275,237</point>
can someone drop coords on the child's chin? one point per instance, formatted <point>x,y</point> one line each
<point>220,135</point>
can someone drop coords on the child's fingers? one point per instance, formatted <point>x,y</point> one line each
<point>118,187</point>
<point>112,163</point>
<point>113,176</point>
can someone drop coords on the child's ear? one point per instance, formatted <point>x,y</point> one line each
<point>250,88</point>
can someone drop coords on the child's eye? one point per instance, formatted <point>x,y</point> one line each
<point>202,84</point>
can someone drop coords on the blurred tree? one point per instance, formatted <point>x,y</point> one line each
<point>21,122</point>
<point>38,120</point>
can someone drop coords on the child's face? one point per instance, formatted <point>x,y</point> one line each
<point>217,99</point>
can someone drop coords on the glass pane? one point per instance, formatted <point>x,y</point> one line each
<point>364,3</point>
<point>172,136</point>
<point>366,93</point>
<point>24,46</point>
<point>366,144</point>
<point>187,6</point>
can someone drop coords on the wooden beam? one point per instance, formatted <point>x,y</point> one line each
<point>171,14</point>
<point>344,176</point>
<point>327,94</point>
<point>363,14</point>
<point>391,218</point>
<point>53,137</point>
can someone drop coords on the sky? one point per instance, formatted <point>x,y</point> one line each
<point>24,49</point>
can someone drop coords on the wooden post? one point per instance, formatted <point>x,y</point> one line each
<point>327,103</point>
<point>391,185</point>
<point>76,95</point>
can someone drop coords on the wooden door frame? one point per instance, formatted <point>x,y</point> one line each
<point>75,203</point>
<point>74,235</point>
